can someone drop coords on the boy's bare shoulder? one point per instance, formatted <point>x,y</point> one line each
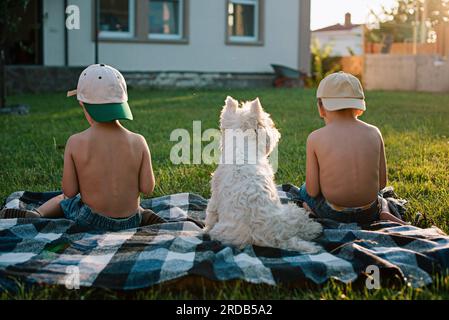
<point>137,139</point>
<point>316,135</point>
<point>77,138</point>
<point>371,127</point>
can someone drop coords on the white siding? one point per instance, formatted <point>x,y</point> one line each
<point>206,50</point>
<point>80,43</point>
<point>341,40</point>
<point>53,41</point>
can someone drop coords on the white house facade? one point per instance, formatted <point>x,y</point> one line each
<point>234,36</point>
<point>345,39</point>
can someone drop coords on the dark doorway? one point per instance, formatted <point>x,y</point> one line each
<point>24,46</point>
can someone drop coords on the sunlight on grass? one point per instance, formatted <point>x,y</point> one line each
<point>415,127</point>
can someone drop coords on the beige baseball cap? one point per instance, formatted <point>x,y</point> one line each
<point>341,90</point>
<point>102,89</point>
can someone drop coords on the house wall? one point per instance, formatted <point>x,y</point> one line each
<point>53,32</point>
<point>305,63</point>
<point>341,40</point>
<point>206,50</point>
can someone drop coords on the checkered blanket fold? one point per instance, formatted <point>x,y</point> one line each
<point>51,251</point>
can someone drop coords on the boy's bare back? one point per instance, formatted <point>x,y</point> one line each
<point>110,166</point>
<point>106,166</point>
<point>351,162</point>
<point>345,160</point>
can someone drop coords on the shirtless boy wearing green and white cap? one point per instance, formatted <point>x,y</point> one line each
<point>106,166</point>
<point>345,160</point>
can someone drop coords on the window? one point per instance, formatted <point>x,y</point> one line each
<point>158,21</point>
<point>165,19</point>
<point>116,18</point>
<point>243,21</point>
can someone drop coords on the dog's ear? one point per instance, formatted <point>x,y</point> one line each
<point>273,136</point>
<point>256,107</point>
<point>231,104</point>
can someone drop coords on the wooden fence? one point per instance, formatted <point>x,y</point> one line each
<point>440,47</point>
<point>402,48</point>
<point>406,72</point>
<point>442,31</point>
<point>401,68</point>
<point>352,65</point>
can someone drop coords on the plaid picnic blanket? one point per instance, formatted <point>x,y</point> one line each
<point>50,251</point>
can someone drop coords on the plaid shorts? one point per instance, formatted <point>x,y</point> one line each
<point>74,209</point>
<point>323,209</point>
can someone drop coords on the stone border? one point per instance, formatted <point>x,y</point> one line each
<point>39,79</point>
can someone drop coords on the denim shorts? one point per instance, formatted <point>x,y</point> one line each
<point>74,209</point>
<point>322,209</point>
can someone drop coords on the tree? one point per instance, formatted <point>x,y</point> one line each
<point>8,24</point>
<point>322,62</point>
<point>408,20</point>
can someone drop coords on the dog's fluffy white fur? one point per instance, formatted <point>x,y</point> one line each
<point>245,208</point>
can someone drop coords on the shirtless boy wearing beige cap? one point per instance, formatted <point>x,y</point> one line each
<point>345,160</point>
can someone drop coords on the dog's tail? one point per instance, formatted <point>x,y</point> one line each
<point>306,228</point>
<point>286,227</point>
<point>303,246</point>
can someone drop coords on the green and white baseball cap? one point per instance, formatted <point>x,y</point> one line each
<point>341,90</point>
<point>102,89</point>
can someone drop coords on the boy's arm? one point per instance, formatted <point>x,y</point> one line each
<point>312,168</point>
<point>382,165</point>
<point>70,186</point>
<point>146,175</point>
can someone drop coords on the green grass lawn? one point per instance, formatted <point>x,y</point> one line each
<point>415,127</point>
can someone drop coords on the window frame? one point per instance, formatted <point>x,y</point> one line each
<point>140,27</point>
<point>120,34</point>
<point>257,39</point>
<point>168,37</point>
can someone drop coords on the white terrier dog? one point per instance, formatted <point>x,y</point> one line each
<point>245,208</point>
